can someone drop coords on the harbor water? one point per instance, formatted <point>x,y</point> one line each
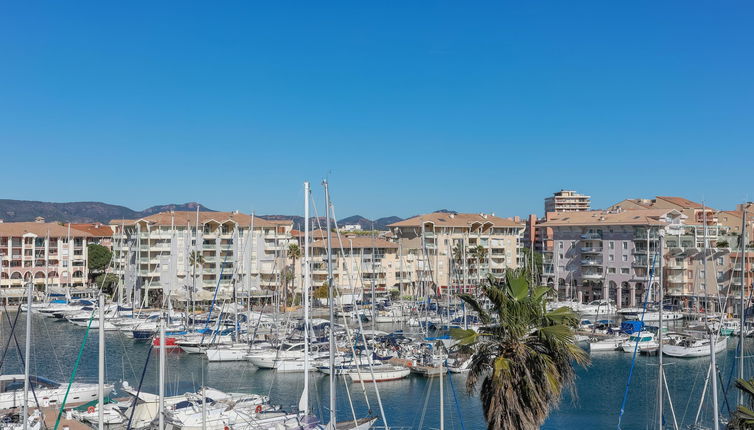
<point>410,403</point>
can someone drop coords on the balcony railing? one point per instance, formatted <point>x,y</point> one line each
<point>591,262</point>
<point>591,250</point>
<point>592,236</point>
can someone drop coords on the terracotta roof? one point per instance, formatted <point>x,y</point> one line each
<point>17,229</point>
<point>590,218</point>
<point>357,242</point>
<point>189,218</point>
<point>95,229</point>
<point>682,202</point>
<point>442,219</point>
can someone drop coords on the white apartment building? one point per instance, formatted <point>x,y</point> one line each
<point>567,201</point>
<point>457,251</point>
<point>166,253</point>
<point>50,255</point>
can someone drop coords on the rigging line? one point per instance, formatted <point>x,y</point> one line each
<point>141,381</point>
<point>75,369</point>
<point>21,356</point>
<point>725,393</point>
<point>455,398</point>
<point>426,402</point>
<point>636,346</point>
<point>12,329</point>
<point>361,328</point>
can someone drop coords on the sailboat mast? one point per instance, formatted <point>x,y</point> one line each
<point>101,379</point>
<point>660,290</point>
<point>161,425</point>
<point>713,340</point>
<point>27,359</point>
<point>331,301</point>
<point>304,404</point>
<point>741,315</point>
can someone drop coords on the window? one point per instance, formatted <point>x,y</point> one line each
<point>560,256</point>
<point>560,245</point>
<point>624,270</point>
<point>625,257</point>
<point>611,245</point>
<point>625,244</point>
<point>611,258</point>
<point>720,261</point>
<point>611,270</point>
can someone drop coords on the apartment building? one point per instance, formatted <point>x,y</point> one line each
<point>358,263</point>
<point>457,251</point>
<point>567,201</point>
<point>190,254</point>
<point>51,255</point>
<point>605,254</point>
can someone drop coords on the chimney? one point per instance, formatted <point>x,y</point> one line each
<point>39,220</point>
<point>452,215</point>
<point>516,218</point>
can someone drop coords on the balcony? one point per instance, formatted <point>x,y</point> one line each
<point>639,262</point>
<point>209,245</point>
<point>591,262</point>
<point>592,275</point>
<point>675,279</point>
<point>639,251</point>
<point>591,236</point>
<point>591,250</point>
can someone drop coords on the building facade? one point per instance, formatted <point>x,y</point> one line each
<point>457,251</point>
<point>567,201</point>
<point>189,254</point>
<point>51,255</point>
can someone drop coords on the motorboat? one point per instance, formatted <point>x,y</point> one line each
<point>610,343</point>
<point>644,339</point>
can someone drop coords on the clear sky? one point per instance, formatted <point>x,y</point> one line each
<point>407,106</point>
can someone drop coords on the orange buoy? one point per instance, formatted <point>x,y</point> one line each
<point>409,364</point>
<point>258,409</point>
<point>90,409</point>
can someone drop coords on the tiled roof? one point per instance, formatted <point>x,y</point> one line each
<point>95,229</point>
<point>589,218</point>
<point>189,218</point>
<point>442,219</point>
<point>682,202</point>
<point>41,229</point>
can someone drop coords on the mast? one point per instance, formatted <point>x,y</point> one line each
<point>27,357</point>
<point>374,301</point>
<point>101,385</point>
<point>741,315</point>
<point>442,399</point>
<point>161,412</point>
<point>304,402</point>
<point>660,290</point>
<point>331,301</point>
<point>712,340</point>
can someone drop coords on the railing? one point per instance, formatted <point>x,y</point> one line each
<point>592,236</point>
<point>591,250</point>
<point>591,262</point>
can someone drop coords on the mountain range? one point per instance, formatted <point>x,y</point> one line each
<point>27,210</point>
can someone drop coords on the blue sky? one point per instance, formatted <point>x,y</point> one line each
<point>407,106</point>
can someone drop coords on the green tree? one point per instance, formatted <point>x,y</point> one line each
<point>321,292</point>
<point>294,253</point>
<point>479,253</point>
<point>532,269</point>
<point>523,356</point>
<point>98,259</point>
<point>108,282</point>
<point>196,259</point>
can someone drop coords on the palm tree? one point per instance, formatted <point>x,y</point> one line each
<point>294,253</point>
<point>479,253</point>
<point>523,357</point>
<point>743,417</point>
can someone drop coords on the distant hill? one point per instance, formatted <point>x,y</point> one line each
<point>27,210</point>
